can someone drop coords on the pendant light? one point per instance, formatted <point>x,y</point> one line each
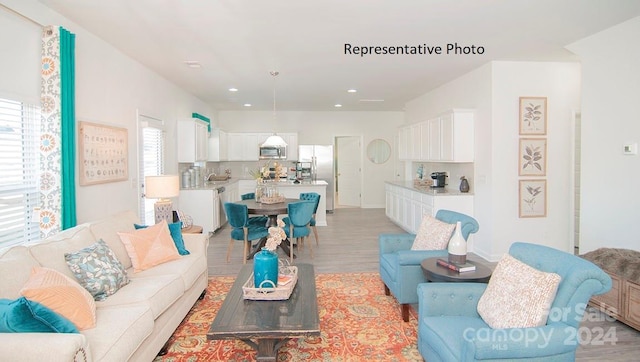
<point>274,140</point>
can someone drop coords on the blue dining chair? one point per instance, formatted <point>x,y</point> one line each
<point>248,196</point>
<point>254,220</point>
<point>297,225</point>
<point>315,197</point>
<point>243,230</point>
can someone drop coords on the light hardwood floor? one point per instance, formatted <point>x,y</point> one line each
<point>350,244</point>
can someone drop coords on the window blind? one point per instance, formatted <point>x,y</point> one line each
<point>19,172</point>
<point>151,164</point>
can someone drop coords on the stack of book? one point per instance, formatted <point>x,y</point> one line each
<point>460,268</point>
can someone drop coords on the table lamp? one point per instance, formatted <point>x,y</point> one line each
<point>162,187</point>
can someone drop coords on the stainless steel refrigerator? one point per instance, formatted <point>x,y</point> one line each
<point>321,157</point>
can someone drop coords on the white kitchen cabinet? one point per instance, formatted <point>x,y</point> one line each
<point>435,140</point>
<point>454,135</point>
<point>403,143</point>
<point>292,145</point>
<point>416,141</point>
<point>242,146</point>
<point>406,206</point>
<point>193,140</point>
<point>203,206</point>
<point>446,138</point>
<point>218,146</point>
<point>424,141</point>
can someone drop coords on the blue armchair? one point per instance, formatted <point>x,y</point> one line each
<point>400,266</point>
<point>450,328</point>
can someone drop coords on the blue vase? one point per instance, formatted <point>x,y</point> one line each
<point>265,269</point>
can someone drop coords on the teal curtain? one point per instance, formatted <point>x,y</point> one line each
<point>68,127</point>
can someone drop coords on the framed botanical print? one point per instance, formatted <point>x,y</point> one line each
<point>533,115</point>
<point>532,198</point>
<point>533,157</point>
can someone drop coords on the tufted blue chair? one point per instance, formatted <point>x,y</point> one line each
<point>450,328</point>
<point>254,220</point>
<point>400,266</point>
<point>315,197</point>
<point>243,230</point>
<point>297,224</point>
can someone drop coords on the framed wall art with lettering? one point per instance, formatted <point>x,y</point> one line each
<point>102,153</point>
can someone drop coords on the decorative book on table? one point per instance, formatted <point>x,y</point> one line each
<point>460,268</point>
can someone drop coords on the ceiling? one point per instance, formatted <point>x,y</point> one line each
<point>238,42</point>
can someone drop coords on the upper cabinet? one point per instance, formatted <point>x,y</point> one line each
<point>447,138</point>
<point>218,146</point>
<point>243,146</point>
<point>292,145</point>
<point>193,140</point>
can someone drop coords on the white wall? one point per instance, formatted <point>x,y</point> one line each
<point>610,119</point>
<point>493,91</point>
<point>322,128</point>
<point>110,89</point>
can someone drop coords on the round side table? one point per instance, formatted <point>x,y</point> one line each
<point>193,229</point>
<point>435,273</point>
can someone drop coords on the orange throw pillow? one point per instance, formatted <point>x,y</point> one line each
<point>62,295</point>
<point>150,246</point>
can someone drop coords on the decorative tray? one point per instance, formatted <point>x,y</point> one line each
<point>288,275</point>
<point>272,199</point>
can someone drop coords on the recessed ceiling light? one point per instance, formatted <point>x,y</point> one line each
<point>247,104</point>
<point>233,89</point>
<point>352,90</point>
<point>192,63</point>
<point>337,105</point>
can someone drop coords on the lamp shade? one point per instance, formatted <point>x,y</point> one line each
<point>162,186</point>
<point>274,141</point>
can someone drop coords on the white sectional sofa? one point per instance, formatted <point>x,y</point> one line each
<point>131,325</point>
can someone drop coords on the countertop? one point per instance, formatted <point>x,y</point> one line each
<point>429,190</point>
<point>212,185</point>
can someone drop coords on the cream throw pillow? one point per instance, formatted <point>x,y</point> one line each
<point>150,246</point>
<point>433,234</point>
<point>518,295</point>
<point>62,295</point>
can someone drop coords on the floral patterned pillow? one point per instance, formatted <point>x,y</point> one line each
<point>98,270</point>
<point>433,234</point>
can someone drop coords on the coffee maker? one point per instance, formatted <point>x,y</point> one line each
<point>438,178</point>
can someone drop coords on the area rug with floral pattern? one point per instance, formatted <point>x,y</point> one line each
<point>357,322</point>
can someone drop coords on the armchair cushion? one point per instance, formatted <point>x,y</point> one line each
<point>433,234</point>
<point>517,296</point>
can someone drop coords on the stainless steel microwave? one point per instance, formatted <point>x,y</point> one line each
<point>273,152</point>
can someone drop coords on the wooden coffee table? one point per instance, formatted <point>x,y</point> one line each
<point>264,324</point>
<point>435,273</point>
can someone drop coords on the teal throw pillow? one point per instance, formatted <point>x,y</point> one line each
<point>98,270</point>
<point>176,234</point>
<point>25,316</point>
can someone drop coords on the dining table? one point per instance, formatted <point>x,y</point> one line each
<point>271,211</point>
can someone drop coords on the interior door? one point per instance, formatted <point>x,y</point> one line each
<point>349,159</point>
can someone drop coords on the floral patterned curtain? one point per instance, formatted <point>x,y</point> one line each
<point>57,141</point>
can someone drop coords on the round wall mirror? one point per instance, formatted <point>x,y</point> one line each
<point>378,151</point>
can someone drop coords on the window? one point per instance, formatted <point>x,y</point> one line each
<point>151,162</point>
<point>19,172</point>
